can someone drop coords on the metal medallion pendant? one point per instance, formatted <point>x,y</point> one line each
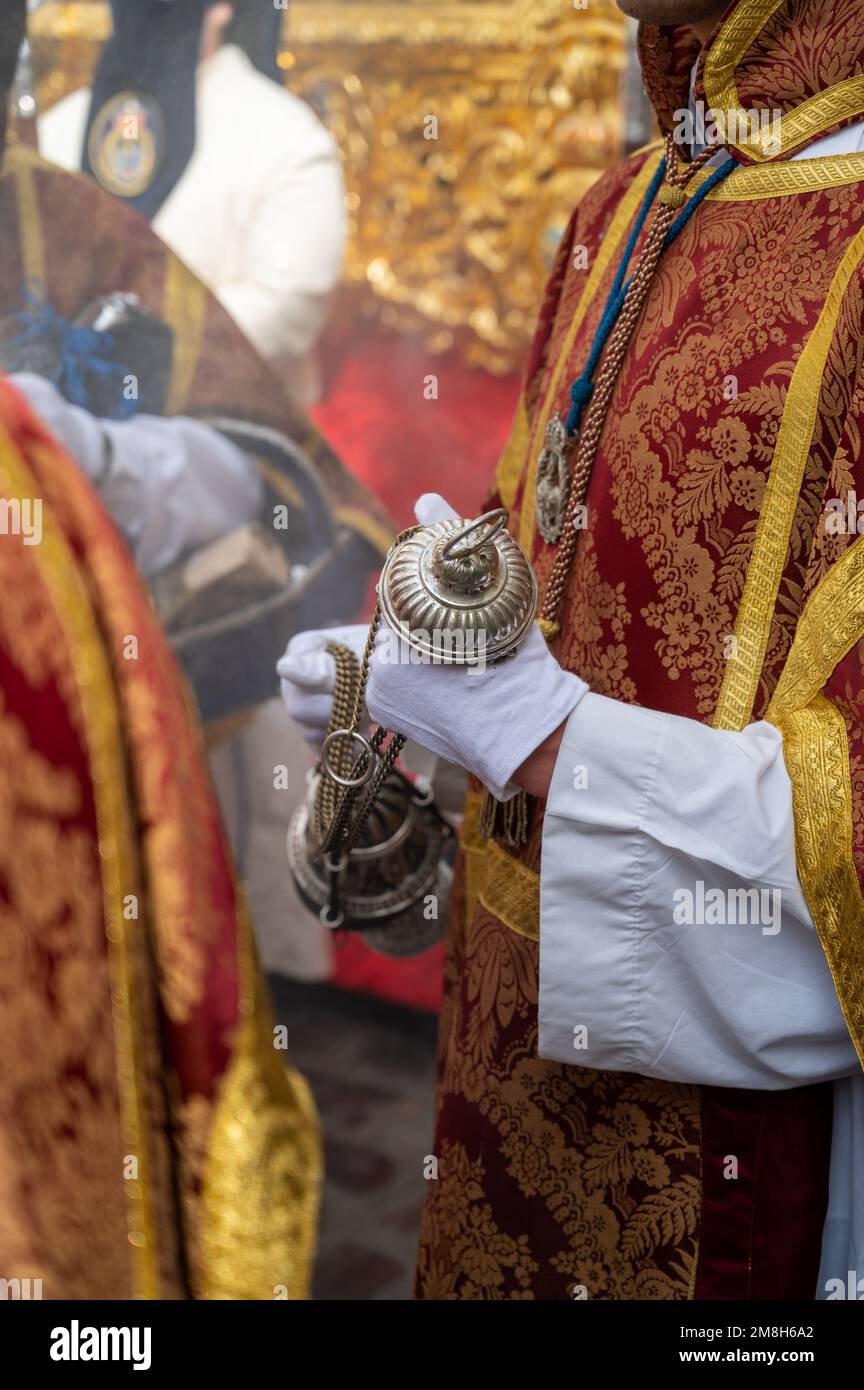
<point>553,482</point>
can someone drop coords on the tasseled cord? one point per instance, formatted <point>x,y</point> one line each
<point>505,820</point>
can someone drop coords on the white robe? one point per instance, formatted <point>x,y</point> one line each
<point>258,213</point>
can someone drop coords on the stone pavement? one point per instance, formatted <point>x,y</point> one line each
<point>371,1067</point>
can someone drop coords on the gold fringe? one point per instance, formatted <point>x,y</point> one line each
<point>505,820</point>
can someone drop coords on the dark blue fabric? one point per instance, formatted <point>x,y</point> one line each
<point>80,351</point>
<point>582,388</point>
<point>256,28</point>
<point>153,53</point>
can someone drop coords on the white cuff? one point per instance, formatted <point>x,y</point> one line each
<point>675,941</point>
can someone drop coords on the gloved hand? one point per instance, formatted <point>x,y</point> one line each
<point>79,432</point>
<point>308,675</point>
<point>487,721</point>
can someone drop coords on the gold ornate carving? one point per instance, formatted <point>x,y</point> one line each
<point>451,229</point>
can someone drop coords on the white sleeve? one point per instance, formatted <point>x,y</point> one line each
<point>675,940</point>
<point>170,485</point>
<point>292,257</point>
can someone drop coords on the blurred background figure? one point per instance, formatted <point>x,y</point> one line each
<point>187,120</point>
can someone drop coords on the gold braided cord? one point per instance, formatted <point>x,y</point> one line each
<point>510,820</point>
<point>817,114</point>
<point>779,505</point>
<point>677,177</point>
<point>618,227</point>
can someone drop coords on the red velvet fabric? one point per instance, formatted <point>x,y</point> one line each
<point>762,1229</point>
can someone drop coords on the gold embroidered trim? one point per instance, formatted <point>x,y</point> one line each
<point>512,459</point>
<point>816,750</point>
<point>511,891</point>
<point>777,514</point>
<point>474,848</point>
<point>815,115</point>
<point>184,307</point>
<point>366,526</point>
<point>504,885</point>
<point>30,238</point>
<point>104,738</point>
<point>262,1181</point>
<point>831,623</point>
<point>621,220</point>
<point>754,181</point>
<point>280,484</point>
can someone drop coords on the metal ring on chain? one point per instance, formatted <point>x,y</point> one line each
<point>337,777</point>
<point>496,520</point>
<point>334,923</point>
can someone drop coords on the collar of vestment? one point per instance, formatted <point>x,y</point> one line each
<point>779,74</point>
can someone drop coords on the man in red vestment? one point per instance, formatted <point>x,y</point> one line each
<point>650,1052</point>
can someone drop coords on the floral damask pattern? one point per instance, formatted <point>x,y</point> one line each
<point>58,1087</point>
<point>803,49</point>
<point>569,1182</point>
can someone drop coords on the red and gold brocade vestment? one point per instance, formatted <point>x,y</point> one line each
<point>704,585</point>
<point>153,1143</point>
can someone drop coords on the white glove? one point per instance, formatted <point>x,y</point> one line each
<point>77,430</point>
<point>170,486</point>
<point>487,721</point>
<point>308,675</point>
